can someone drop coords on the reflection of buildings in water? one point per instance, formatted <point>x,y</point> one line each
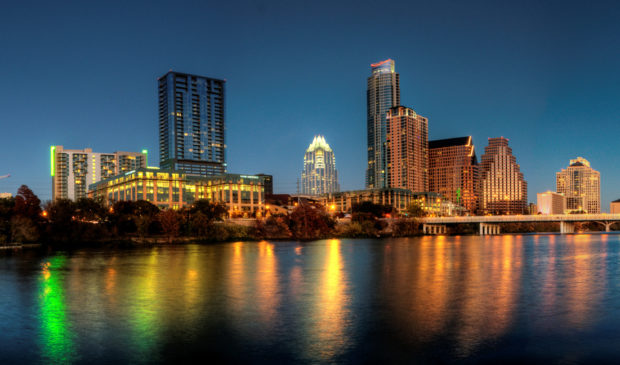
<point>267,286</point>
<point>492,285</point>
<point>144,308</point>
<point>236,280</point>
<point>584,281</point>
<point>330,310</point>
<point>56,336</point>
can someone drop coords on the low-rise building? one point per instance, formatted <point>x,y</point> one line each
<point>5,195</point>
<point>614,207</point>
<point>343,201</point>
<point>551,202</point>
<point>243,194</point>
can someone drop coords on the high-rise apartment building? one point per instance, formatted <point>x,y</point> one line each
<point>406,151</point>
<point>503,190</point>
<point>319,175</point>
<point>73,170</point>
<point>581,185</point>
<point>383,93</point>
<point>191,124</point>
<point>453,170</point>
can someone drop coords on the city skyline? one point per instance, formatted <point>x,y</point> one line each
<point>495,94</point>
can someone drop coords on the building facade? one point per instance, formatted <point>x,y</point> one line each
<point>319,175</point>
<point>551,202</point>
<point>192,124</point>
<point>268,183</point>
<point>406,149</point>
<point>244,195</point>
<point>382,94</point>
<point>73,170</point>
<point>503,190</point>
<point>453,170</point>
<point>614,207</point>
<point>343,202</point>
<point>581,185</point>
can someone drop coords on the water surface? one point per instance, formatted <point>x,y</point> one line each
<point>416,300</point>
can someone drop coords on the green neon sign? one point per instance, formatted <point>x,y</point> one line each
<point>53,160</point>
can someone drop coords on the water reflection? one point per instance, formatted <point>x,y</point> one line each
<point>56,334</point>
<point>449,298</point>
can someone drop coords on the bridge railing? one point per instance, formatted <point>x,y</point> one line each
<point>522,218</point>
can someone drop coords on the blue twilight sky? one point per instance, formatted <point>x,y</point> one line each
<point>83,74</point>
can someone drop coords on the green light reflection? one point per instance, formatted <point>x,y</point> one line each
<point>56,337</point>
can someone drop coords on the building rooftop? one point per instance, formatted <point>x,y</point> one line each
<point>449,142</point>
<point>318,142</point>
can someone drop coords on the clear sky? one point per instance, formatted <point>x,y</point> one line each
<point>83,74</point>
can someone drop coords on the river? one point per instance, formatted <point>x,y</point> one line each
<point>469,299</point>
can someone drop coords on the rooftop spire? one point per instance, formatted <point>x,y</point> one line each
<point>318,142</point>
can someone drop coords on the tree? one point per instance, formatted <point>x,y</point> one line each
<point>27,204</point>
<point>7,207</point>
<point>376,210</point>
<point>212,211</point>
<point>308,222</point>
<point>87,209</point>
<point>416,210</point>
<point>170,223</point>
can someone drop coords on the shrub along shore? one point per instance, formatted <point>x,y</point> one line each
<point>88,222</point>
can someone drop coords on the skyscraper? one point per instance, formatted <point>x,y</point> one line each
<point>73,171</point>
<point>383,93</point>
<point>581,185</point>
<point>319,175</point>
<point>503,189</point>
<point>191,124</point>
<point>406,151</point>
<point>453,170</point>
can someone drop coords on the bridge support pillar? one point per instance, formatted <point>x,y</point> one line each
<point>567,227</point>
<point>434,229</point>
<point>488,229</point>
<point>608,226</point>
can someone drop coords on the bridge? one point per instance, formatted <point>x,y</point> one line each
<point>489,224</point>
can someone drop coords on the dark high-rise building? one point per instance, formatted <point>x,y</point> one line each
<point>406,149</point>
<point>191,124</point>
<point>383,93</point>
<point>453,170</point>
<point>503,190</point>
<point>267,183</point>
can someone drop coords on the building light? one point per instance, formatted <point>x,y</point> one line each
<point>53,160</point>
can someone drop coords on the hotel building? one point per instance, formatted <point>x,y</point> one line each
<point>191,124</point>
<point>382,94</point>
<point>244,195</point>
<point>73,170</point>
<point>406,149</point>
<point>581,185</point>
<point>614,207</point>
<point>400,199</point>
<point>453,170</point>
<point>503,190</point>
<point>551,202</point>
<point>319,175</point>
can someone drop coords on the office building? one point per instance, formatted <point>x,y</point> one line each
<point>406,149</point>
<point>383,93</point>
<point>614,207</point>
<point>319,175</point>
<point>192,124</point>
<point>73,170</point>
<point>503,190</point>
<point>453,170</point>
<point>551,202</point>
<point>581,185</point>
<point>343,202</point>
<point>267,182</point>
<point>244,195</point>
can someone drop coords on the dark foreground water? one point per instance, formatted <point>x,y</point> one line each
<point>502,299</point>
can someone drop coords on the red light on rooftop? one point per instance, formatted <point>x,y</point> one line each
<point>380,63</point>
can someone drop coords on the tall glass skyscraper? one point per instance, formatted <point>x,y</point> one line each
<point>191,124</point>
<point>581,185</point>
<point>383,93</point>
<point>319,175</point>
